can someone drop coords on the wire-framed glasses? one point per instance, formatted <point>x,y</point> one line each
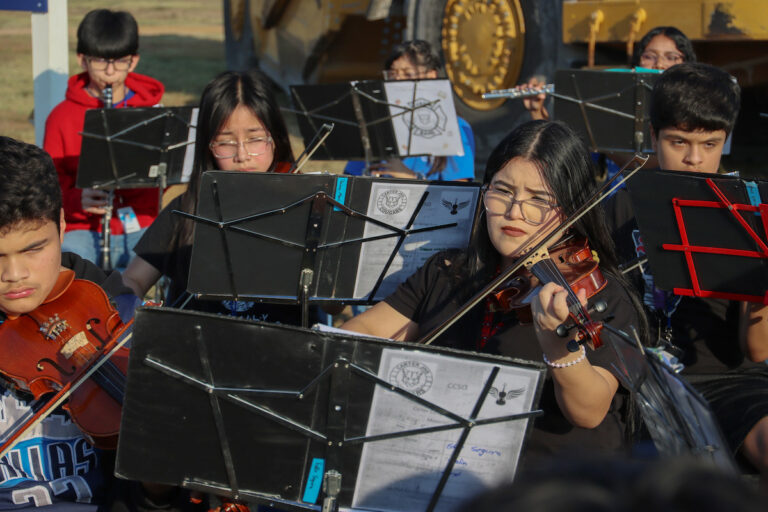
<point>499,201</point>
<point>254,146</point>
<point>652,58</point>
<point>101,64</point>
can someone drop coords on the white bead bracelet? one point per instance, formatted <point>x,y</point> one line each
<point>569,363</point>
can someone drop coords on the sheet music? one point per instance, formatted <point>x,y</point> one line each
<point>435,129</point>
<point>401,474</point>
<point>394,203</point>
<point>189,151</point>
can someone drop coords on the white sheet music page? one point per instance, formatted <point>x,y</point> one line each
<point>401,474</point>
<point>430,129</point>
<point>394,204</point>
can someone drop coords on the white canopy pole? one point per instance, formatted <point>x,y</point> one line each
<point>50,61</point>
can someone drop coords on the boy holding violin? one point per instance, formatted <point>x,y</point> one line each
<point>53,465</point>
<point>722,344</point>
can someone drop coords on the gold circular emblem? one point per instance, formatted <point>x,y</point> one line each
<point>483,43</point>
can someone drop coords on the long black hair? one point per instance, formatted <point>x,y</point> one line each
<point>220,98</point>
<point>566,167</point>
<point>681,41</point>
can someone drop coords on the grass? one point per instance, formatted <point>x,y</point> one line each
<point>181,44</point>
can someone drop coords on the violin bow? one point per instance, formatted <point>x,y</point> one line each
<point>536,252</point>
<point>61,396</point>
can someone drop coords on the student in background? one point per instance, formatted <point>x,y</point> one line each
<point>415,60</point>
<point>107,52</point>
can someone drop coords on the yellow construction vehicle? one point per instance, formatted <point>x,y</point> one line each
<point>490,44</point>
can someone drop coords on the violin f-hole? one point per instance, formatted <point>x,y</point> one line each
<point>55,365</point>
<point>88,326</point>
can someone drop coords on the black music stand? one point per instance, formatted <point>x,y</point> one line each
<point>678,418</point>
<point>704,234</point>
<point>136,147</point>
<point>298,239</point>
<point>365,118</point>
<point>266,413</point>
<point>609,109</point>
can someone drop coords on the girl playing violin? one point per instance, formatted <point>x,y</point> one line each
<point>239,128</point>
<point>537,176</point>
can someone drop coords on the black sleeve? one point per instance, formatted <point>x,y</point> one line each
<point>413,297</point>
<point>111,283</point>
<point>155,245</point>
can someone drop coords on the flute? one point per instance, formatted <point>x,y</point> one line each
<point>516,92</point>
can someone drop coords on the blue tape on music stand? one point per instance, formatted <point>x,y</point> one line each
<point>754,194</point>
<point>341,192</point>
<point>314,480</point>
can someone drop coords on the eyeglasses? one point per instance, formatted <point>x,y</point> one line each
<point>499,202</point>
<point>254,147</point>
<point>670,57</point>
<point>100,63</point>
<point>405,73</point>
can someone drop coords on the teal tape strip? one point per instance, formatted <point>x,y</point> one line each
<point>314,481</point>
<point>341,192</point>
<point>754,194</point>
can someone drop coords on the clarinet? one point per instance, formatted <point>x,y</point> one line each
<point>106,220</point>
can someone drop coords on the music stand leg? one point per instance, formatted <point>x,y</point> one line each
<point>331,488</point>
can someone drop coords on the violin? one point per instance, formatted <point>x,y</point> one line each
<point>49,350</point>
<point>570,264</point>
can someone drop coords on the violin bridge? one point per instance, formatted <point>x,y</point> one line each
<point>75,342</point>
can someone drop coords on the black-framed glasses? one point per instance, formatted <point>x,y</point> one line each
<point>499,202</point>
<point>100,63</point>
<point>254,146</point>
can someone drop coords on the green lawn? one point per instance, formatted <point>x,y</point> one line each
<point>182,45</point>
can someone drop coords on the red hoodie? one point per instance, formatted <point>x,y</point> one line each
<point>62,142</point>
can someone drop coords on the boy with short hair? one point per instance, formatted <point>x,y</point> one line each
<point>107,51</point>
<point>721,343</point>
<point>54,465</point>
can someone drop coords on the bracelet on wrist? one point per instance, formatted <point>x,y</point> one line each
<point>569,363</point>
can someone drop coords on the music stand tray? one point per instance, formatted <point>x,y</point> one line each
<point>321,238</point>
<point>609,109</point>
<point>265,412</point>
<point>137,147</point>
<point>704,234</point>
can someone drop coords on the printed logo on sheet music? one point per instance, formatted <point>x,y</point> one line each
<point>412,376</point>
<point>429,119</point>
<point>502,395</point>
<point>392,201</point>
<point>454,205</point>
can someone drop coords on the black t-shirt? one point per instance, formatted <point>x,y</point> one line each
<point>435,292</point>
<point>704,332</point>
<point>155,247</point>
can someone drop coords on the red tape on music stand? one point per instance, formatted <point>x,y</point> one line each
<point>687,249</point>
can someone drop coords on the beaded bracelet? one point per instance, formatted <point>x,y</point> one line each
<point>569,363</point>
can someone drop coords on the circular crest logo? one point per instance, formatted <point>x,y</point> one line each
<point>391,202</point>
<point>412,376</point>
<point>428,120</point>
